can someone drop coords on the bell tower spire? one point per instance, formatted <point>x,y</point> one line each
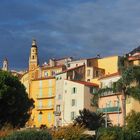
<point>33,58</point>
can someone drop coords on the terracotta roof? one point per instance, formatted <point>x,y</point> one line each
<point>110,75</point>
<point>87,83</point>
<point>58,66</point>
<point>70,69</point>
<point>135,50</point>
<point>44,78</point>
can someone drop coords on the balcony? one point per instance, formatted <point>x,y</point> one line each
<point>45,107</point>
<point>57,113</point>
<point>108,93</point>
<point>45,96</point>
<point>109,110</point>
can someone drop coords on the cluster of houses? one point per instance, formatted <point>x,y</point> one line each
<point>62,87</point>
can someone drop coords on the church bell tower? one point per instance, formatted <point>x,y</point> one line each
<point>5,64</point>
<point>33,59</point>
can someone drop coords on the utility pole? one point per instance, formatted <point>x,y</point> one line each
<point>118,104</point>
<point>106,116</point>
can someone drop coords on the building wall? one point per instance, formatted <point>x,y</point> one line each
<point>43,93</point>
<point>114,104</point>
<point>132,104</point>
<point>111,102</point>
<point>59,99</point>
<point>50,71</point>
<point>25,80</point>
<point>87,99</point>
<point>110,64</point>
<point>76,63</point>
<point>68,96</point>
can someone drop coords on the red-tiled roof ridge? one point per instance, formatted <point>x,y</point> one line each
<point>110,75</point>
<point>71,69</point>
<point>85,83</point>
<point>51,67</point>
<point>44,78</point>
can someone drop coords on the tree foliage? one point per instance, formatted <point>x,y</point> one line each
<point>91,120</point>
<point>14,101</point>
<point>129,83</point>
<point>133,121</point>
<point>69,132</point>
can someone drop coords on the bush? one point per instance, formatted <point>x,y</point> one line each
<point>117,133</point>
<point>70,132</point>
<point>29,135</point>
<point>112,133</point>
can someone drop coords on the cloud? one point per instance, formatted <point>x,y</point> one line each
<point>67,28</point>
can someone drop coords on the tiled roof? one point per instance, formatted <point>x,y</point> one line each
<point>87,83</point>
<point>44,78</point>
<point>135,50</point>
<point>70,69</point>
<point>110,75</point>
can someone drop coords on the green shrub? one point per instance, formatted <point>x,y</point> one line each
<point>112,133</point>
<point>70,132</point>
<point>29,135</point>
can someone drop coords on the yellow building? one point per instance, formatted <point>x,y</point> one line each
<point>43,92</point>
<point>109,64</point>
<point>40,86</point>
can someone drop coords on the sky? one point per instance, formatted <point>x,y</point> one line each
<point>77,28</point>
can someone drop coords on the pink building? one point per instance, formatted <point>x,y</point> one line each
<point>111,103</point>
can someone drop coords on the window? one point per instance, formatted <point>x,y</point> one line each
<point>59,97</point>
<point>45,73</point>
<point>33,57</point>
<point>39,117</point>
<point>93,90</point>
<point>88,72</point>
<point>73,115</point>
<point>58,108</point>
<point>73,102</point>
<point>49,103</point>
<point>49,117</point>
<point>68,65</point>
<point>40,104</point>
<point>96,73</point>
<point>49,92</point>
<point>74,90</point>
<point>53,73</point>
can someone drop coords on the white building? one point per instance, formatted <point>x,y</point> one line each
<point>71,96</point>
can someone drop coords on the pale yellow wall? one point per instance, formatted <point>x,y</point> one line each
<point>39,91</point>
<point>95,80</point>
<point>48,72</point>
<point>110,64</point>
<point>136,62</point>
<point>132,104</point>
<point>25,81</point>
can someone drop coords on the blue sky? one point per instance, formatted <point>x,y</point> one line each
<point>78,28</point>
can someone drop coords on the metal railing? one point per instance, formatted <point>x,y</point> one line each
<point>109,109</point>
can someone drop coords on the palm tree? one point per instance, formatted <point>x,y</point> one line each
<point>128,84</point>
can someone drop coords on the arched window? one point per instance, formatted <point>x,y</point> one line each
<point>33,57</point>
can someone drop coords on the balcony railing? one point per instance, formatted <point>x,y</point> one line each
<point>108,93</point>
<point>109,110</point>
<point>57,113</point>
<point>45,107</point>
<point>45,96</point>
